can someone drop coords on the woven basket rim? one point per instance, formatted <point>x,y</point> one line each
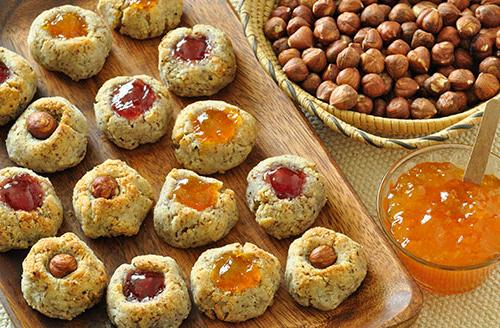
<point>452,125</point>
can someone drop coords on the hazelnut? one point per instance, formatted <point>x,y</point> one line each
<point>497,40</point>
<point>289,3</point>
<point>280,45</point>
<point>437,84</point>
<point>420,79</point>
<point>349,76</point>
<point>322,257</point>
<point>348,57</point>
<point>398,107</point>
<point>387,83</point>
<point>323,8</point>
<point>308,3</point>
<point>315,59</point>
<point>62,264</point>
<point>396,65</point>
<point>446,70</point>
<point>422,108</point>
<point>488,15</point>
<point>326,31</point>
<point>472,99</point>
<point>295,23</point>
<point>324,90</point>
<point>398,47</point>
<point>282,12</point>
<point>357,47</point>
<point>486,86</point>
<point>334,49</point>
<point>481,46</point>
<point>364,105</point>
<point>372,15</point>
<point>372,40</point>
<point>463,59</point>
<point>451,102</point>
<point>449,13</point>
<point>468,26</point>
<point>419,59</point>
<point>104,186</point>
<point>288,54</point>
<point>421,6</point>
<point>344,97</point>
<point>389,30</point>
<point>348,23</point>
<point>373,85</point>
<point>386,10</point>
<point>422,38</point>
<point>41,125</point>
<point>461,79</point>
<point>406,87</point>
<point>360,35</point>
<point>430,20</point>
<point>296,70</point>
<point>450,34</point>
<point>302,39</point>
<point>372,61</point>
<point>460,4</point>
<point>304,12</point>
<point>275,28</point>
<point>352,6</point>
<point>490,65</point>
<point>402,13</point>
<point>443,53</point>
<point>379,107</point>
<point>407,31</point>
<point>311,83</point>
<point>330,73</point>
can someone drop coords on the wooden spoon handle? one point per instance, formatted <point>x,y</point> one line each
<point>484,141</point>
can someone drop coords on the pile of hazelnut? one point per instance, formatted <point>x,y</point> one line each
<point>398,59</point>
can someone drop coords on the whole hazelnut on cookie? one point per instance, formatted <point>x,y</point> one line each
<point>62,264</point>
<point>322,257</point>
<point>104,187</point>
<point>41,125</point>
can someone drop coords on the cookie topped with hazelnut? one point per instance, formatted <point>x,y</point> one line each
<point>235,283</point>
<point>286,193</point>
<point>112,200</point>
<point>213,136</point>
<point>71,40</point>
<point>62,277</point>
<point>193,210</point>
<point>17,85</point>
<point>323,268</point>
<point>50,136</point>
<point>197,61</point>
<point>149,292</point>
<point>141,19</point>
<point>133,110</point>
<point>29,208</point>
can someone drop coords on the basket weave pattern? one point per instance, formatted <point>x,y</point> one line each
<point>377,131</point>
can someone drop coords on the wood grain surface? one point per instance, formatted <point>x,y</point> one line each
<point>387,296</point>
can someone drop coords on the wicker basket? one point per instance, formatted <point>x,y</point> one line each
<point>376,131</point>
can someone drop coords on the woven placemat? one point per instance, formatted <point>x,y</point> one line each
<point>364,167</point>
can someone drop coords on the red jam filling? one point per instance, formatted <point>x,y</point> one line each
<point>132,99</point>
<point>143,286</point>
<point>66,26</point>
<point>22,192</point>
<point>285,182</point>
<point>192,48</point>
<point>4,72</point>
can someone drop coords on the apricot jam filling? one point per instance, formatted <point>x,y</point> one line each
<point>142,4</point>
<point>192,48</point>
<point>438,217</point>
<point>22,192</point>
<point>143,286</point>
<point>196,193</point>
<point>66,26</point>
<point>216,126</point>
<point>286,183</point>
<point>4,72</point>
<point>236,272</point>
<point>132,99</point>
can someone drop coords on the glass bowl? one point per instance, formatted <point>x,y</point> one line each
<point>437,278</point>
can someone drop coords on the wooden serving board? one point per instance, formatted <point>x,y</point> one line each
<point>387,297</point>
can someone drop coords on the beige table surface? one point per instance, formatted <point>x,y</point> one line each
<point>364,167</point>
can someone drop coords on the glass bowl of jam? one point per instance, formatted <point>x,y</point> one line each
<point>445,231</point>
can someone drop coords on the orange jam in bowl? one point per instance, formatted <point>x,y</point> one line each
<point>196,193</point>
<point>216,126</point>
<point>235,272</point>
<point>66,26</point>
<point>446,231</point>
